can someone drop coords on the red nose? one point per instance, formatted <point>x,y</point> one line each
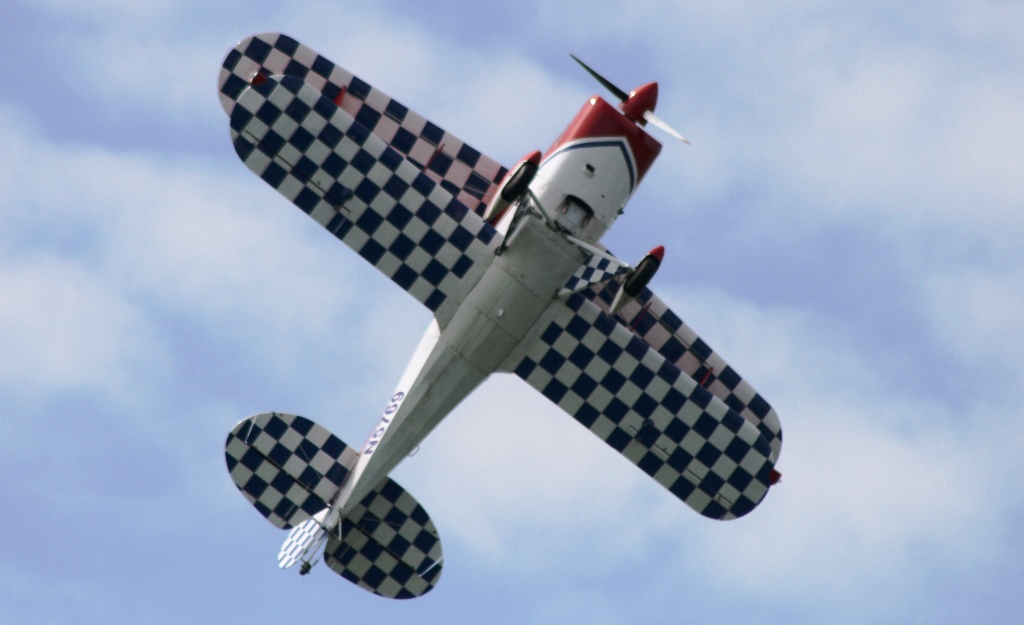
<point>642,99</point>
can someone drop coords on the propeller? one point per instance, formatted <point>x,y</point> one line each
<point>648,114</point>
<point>618,93</point>
<point>660,123</point>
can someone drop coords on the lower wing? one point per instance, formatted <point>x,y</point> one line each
<point>655,324</point>
<point>645,407</point>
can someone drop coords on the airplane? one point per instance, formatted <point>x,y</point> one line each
<point>510,263</point>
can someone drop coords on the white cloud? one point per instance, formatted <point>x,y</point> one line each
<point>878,485</point>
<point>901,139</point>
<point>195,236</point>
<point>128,10</point>
<point>507,464</point>
<point>64,328</point>
<point>862,502</point>
<point>977,316</point>
<point>580,21</point>
<point>993,25</point>
<point>143,57</point>
<point>173,76</point>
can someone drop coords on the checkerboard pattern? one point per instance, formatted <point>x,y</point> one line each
<point>388,545</point>
<point>594,270</point>
<point>660,328</point>
<point>301,538</point>
<point>288,467</point>
<point>643,406</point>
<point>471,177</point>
<point>364,192</point>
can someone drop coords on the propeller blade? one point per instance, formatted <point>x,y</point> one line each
<point>619,93</point>
<point>659,123</point>
<point>649,116</point>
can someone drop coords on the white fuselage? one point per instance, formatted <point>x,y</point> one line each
<point>597,175</point>
<point>488,331</point>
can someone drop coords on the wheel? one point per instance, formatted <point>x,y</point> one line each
<point>519,181</point>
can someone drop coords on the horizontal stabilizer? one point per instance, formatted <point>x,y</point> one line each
<point>291,469</point>
<point>388,545</point>
<point>288,467</point>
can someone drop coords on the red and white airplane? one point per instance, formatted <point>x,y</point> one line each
<point>511,265</point>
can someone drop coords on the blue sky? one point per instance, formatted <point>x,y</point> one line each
<point>845,230</point>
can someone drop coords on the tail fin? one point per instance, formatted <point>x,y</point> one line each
<point>290,469</point>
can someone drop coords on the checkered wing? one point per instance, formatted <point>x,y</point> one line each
<point>363,191</point>
<point>388,545</point>
<point>594,270</point>
<point>660,328</point>
<point>644,407</point>
<point>288,467</point>
<point>471,177</point>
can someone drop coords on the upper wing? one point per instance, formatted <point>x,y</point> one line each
<point>643,406</point>
<point>662,330</point>
<point>362,191</point>
<point>460,169</point>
